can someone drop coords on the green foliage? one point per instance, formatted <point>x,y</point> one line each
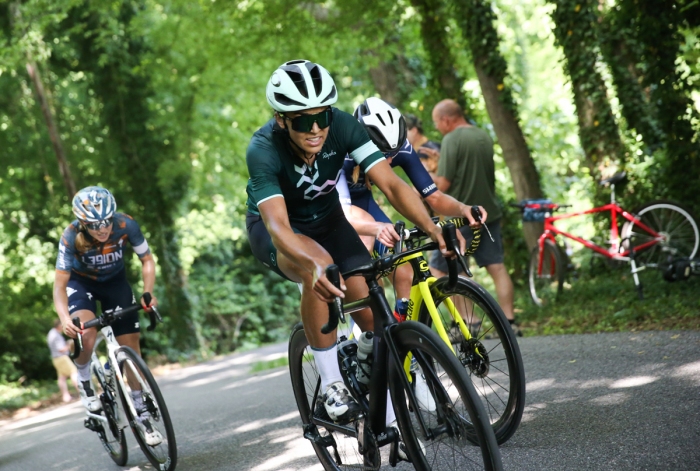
<point>607,302</point>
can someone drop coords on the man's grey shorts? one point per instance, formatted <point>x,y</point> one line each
<point>488,253</point>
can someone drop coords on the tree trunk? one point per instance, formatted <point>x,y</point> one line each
<point>52,129</point>
<point>575,31</point>
<point>476,19</point>
<point>445,79</point>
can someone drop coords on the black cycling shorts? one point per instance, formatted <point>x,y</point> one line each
<point>83,293</point>
<point>333,232</point>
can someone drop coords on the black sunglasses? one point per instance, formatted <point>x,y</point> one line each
<point>96,226</point>
<point>305,122</point>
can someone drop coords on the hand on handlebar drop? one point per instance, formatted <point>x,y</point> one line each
<point>147,307</point>
<point>70,329</point>
<point>437,236</point>
<point>324,289</point>
<point>474,223</point>
<point>387,235</point>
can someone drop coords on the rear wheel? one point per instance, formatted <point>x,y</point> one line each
<point>438,434</point>
<point>153,417</point>
<point>491,356</point>
<point>336,446</point>
<point>676,226</point>
<point>545,285</point>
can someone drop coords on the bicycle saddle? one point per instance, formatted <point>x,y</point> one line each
<point>618,177</point>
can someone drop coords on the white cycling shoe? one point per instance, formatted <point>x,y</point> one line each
<point>340,405</point>
<point>422,392</point>
<point>87,396</point>
<point>151,436</point>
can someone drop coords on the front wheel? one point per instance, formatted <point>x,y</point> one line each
<point>678,231</point>
<point>545,283</point>
<point>151,422</point>
<point>438,433</point>
<point>490,356</point>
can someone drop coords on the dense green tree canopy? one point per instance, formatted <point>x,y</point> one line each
<point>157,99</point>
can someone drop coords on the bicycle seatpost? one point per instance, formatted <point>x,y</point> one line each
<point>335,309</point>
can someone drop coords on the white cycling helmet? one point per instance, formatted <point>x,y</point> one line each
<point>300,85</point>
<point>93,204</point>
<point>384,124</point>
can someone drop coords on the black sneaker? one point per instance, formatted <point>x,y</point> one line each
<point>516,327</point>
<point>339,403</point>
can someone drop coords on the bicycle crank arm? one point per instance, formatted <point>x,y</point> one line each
<point>101,418</point>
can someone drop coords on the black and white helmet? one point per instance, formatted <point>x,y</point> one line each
<point>384,123</point>
<point>300,85</point>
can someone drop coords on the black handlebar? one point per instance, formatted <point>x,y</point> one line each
<point>108,317</point>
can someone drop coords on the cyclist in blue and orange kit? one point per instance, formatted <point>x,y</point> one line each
<point>90,268</point>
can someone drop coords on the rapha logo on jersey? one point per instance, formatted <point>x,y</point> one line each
<point>328,155</point>
<point>427,189</point>
<point>70,291</point>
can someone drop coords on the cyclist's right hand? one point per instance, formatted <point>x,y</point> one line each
<point>323,288</point>
<point>69,329</point>
<point>386,234</point>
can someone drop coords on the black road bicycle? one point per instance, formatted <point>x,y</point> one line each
<point>435,438</point>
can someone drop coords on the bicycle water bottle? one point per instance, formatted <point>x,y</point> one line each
<point>108,372</point>
<point>401,309</point>
<point>364,357</point>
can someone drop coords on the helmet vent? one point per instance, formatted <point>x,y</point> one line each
<point>285,100</point>
<point>330,96</point>
<point>316,79</point>
<point>381,120</point>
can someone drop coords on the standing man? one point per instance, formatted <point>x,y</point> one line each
<point>59,355</point>
<point>466,172</point>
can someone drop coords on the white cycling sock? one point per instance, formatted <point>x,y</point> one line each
<point>83,372</point>
<point>327,364</point>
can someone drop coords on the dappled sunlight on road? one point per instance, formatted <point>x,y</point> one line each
<point>689,371</point>
<point>255,379</point>
<point>612,399</point>
<point>295,449</point>
<point>633,381</point>
<point>258,424</point>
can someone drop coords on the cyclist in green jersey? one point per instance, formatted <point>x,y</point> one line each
<point>295,222</point>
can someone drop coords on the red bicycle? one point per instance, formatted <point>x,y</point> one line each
<point>654,236</point>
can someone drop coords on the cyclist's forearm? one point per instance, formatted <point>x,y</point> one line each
<point>446,205</point>
<point>60,297</point>
<point>367,228</point>
<point>409,204</point>
<point>148,272</point>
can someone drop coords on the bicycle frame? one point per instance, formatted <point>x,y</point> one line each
<point>616,251</point>
<point>107,334</point>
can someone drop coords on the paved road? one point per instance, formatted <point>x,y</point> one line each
<point>595,402</point>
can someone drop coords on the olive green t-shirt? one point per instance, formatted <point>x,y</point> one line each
<point>466,160</point>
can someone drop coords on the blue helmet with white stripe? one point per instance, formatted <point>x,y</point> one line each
<point>93,204</point>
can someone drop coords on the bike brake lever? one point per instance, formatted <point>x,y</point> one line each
<point>78,346</point>
<point>449,232</point>
<point>476,213</point>
<point>399,228</point>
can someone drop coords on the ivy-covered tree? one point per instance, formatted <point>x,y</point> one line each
<point>476,19</point>
<point>576,25</point>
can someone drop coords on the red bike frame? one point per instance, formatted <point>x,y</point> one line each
<point>615,252</point>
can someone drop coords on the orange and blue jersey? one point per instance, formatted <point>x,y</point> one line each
<point>102,260</point>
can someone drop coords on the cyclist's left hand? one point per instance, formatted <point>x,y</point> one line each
<point>154,303</point>
<point>473,223</point>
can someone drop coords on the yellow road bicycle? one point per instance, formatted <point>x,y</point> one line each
<point>485,343</point>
